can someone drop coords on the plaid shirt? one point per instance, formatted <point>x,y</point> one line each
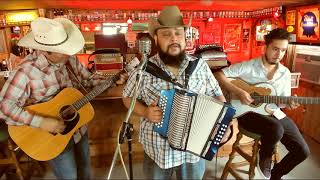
<point>37,80</point>
<point>201,81</point>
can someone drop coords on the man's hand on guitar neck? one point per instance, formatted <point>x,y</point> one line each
<point>52,125</point>
<point>244,96</point>
<point>293,105</point>
<point>122,78</point>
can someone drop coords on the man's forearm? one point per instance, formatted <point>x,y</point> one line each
<point>139,108</point>
<point>225,83</point>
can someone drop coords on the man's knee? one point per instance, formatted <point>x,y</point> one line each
<point>276,130</point>
<point>303,152</point>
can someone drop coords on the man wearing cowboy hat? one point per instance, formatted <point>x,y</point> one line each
<point>40,77</point>
<point>160,161</point>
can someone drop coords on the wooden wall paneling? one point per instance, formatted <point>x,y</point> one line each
<point>289,61</point>
<point>311,123</point>
<point>103,132</point>
<point>307,117</point>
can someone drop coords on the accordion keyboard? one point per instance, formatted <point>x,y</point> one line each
<point>165,103</point>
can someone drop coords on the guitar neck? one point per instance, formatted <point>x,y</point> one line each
<point>94,92</point>
<point>287,99</point>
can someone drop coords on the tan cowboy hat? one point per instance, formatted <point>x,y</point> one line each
<point>54,35</point>
<point>170,16</point>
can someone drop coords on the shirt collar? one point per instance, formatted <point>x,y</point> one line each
<point>280,68</point>
<point>42,63</point>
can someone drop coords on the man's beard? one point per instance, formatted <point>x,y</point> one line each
<point>270,62</point>
<point>169,59</point>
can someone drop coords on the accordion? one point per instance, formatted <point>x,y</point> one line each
<point>191,120</point>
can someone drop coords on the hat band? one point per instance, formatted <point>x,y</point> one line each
<point>57,44</point>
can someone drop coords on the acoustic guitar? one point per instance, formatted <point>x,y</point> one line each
<point>265,98</point>
<point>69,105</point>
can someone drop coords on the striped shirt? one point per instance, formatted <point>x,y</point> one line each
<point>37,80</point>
<point>201,81</point>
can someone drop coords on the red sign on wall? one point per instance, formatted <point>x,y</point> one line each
<point>232,37</point>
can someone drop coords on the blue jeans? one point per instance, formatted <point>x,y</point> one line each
<point>184,171</point>
<point>74,161</point>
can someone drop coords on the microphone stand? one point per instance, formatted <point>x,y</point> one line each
<point>127,128</point>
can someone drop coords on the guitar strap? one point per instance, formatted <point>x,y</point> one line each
<point>73,76</point>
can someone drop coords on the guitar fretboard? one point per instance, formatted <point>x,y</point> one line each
<point>94,92</point>
<point>287,99</point>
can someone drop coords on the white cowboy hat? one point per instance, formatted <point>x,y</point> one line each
<point>54,35</point>
<point>170,16</point>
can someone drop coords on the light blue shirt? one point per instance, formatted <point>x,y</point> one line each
<point>253,72</point>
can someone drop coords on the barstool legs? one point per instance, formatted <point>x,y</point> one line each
<point>228,167</point>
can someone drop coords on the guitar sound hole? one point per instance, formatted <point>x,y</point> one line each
<point>70,117</point>
<point>67,113</point>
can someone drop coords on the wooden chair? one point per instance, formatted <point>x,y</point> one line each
<point>250,158</point>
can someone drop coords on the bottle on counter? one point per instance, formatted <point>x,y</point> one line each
<point>5,69</point>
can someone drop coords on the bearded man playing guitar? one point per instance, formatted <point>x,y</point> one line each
<point>276,127</point>
<point>39,78</point>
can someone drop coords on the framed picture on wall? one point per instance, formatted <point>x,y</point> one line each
<point>245,38</point>
<point>232,37</point>
<point>212,34</point>
<point>308,24</point>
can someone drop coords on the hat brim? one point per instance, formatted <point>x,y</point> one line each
<point>154,25</point>
<point>71,46</point>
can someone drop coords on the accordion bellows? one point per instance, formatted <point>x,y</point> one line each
<point>192,122</point>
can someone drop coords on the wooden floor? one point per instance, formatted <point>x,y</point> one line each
<point>309,169</point>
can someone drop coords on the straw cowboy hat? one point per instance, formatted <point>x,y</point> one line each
<point>58,35</point>
<point>170,16</point>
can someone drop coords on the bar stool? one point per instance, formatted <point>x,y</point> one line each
<point>250,158</point>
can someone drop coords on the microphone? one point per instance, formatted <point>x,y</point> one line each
<point>144,45</point>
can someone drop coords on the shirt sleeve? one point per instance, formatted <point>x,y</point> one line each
<point>128,89</point>
<point>213,88</point>
<point>235,70</point>
<point>13,97</point>
<point>287,82</point>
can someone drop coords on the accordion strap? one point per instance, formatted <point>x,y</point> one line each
<point>158,72</point>
<point>189,70</point>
